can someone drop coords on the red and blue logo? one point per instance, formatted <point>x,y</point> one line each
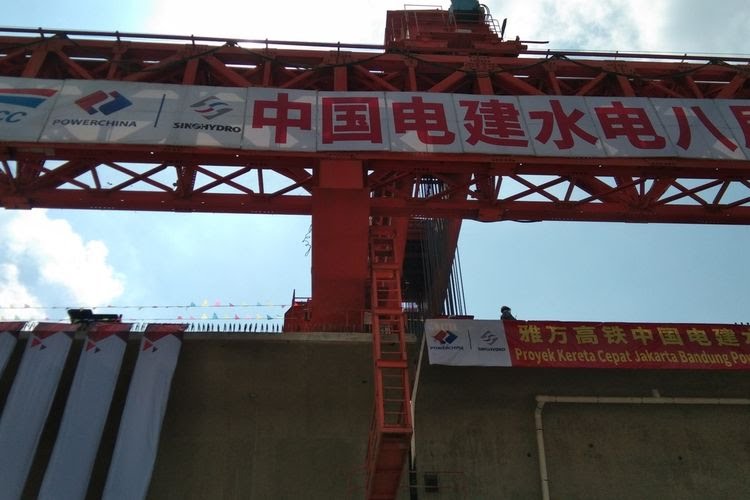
<point>92,345</point>
<point>37,342</point>
<point>28,98</point>
<point>445,337</point>
<point>102,102</point>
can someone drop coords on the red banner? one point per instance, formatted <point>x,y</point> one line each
<point>628,345</point>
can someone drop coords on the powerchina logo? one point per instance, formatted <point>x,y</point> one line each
<point>105,103</point>
<point>445,339</point>
<point>490,339</point>
<point>24,98</point>
<point>209,108</point>
<point>100,102</point>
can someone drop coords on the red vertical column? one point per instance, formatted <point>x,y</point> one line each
<point>340,221</point>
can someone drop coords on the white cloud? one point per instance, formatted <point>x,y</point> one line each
<point>61,258</point>
<point>616,25</point>
<point>295,20</point>
<point>16,301</point>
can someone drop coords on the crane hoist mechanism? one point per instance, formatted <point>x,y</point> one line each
<point>467,27</point>
<point>469,11</point>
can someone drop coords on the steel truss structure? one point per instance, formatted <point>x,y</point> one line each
<point>479,187</point>
<point>366,206</point>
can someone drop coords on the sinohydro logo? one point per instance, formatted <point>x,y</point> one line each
<point>209,108</point>
<point>100,102</point>
<point>24,98</point>
<point>490,339</point>
<point>446,338</point>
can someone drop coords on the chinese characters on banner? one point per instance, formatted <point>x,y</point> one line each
<point>554,344</point>
<point>629,345</point>
<point>302,120</point>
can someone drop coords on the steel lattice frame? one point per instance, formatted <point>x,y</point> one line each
<point>481,187</point>
<point>465,186</point>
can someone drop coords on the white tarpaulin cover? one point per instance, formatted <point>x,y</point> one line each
<point>466,342</point>
<point>8,339</point>
<point>67,475</point>
<point>138,437</point>
<point>29,402</point>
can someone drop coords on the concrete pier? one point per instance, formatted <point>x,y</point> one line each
<point>287,417</point>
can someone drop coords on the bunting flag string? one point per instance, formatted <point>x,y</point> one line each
<point>193,325</point>
<point>204,304</point>
<point>171,319</point>
<point>217,311</point>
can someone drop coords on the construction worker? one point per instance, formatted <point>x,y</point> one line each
<point>505,313</point>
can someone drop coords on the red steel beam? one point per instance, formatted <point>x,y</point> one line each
<point>472,186</point>
<point>558,73</point>
<point>230,64</point>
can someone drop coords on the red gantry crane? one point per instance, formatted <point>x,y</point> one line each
<point>374,212</point>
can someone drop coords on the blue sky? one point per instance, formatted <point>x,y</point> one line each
<point>563,271</point>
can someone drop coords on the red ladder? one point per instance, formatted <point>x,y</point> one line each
<point>391,429</point>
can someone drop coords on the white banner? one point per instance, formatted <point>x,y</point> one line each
<point>466,342</point>
<point>91,111</point>
<point>423,122</point>
<point>25,104</point>
<point>559,126</point>
<point>737,116</point>
<point>492,124</point>
<point>281,120</point>
<point>209,116</point>
<point>697,129</point>
<point>67,475</point>
<point>138,437</point>
<point>629,127</point>
<point>29,403</point>
<point>8,339</point>
<point>114,112</point>
<point>352,121</point>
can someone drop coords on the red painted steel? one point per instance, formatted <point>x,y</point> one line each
<point>391,430</point>
<point>423,52</point>
<point>609,189</point>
